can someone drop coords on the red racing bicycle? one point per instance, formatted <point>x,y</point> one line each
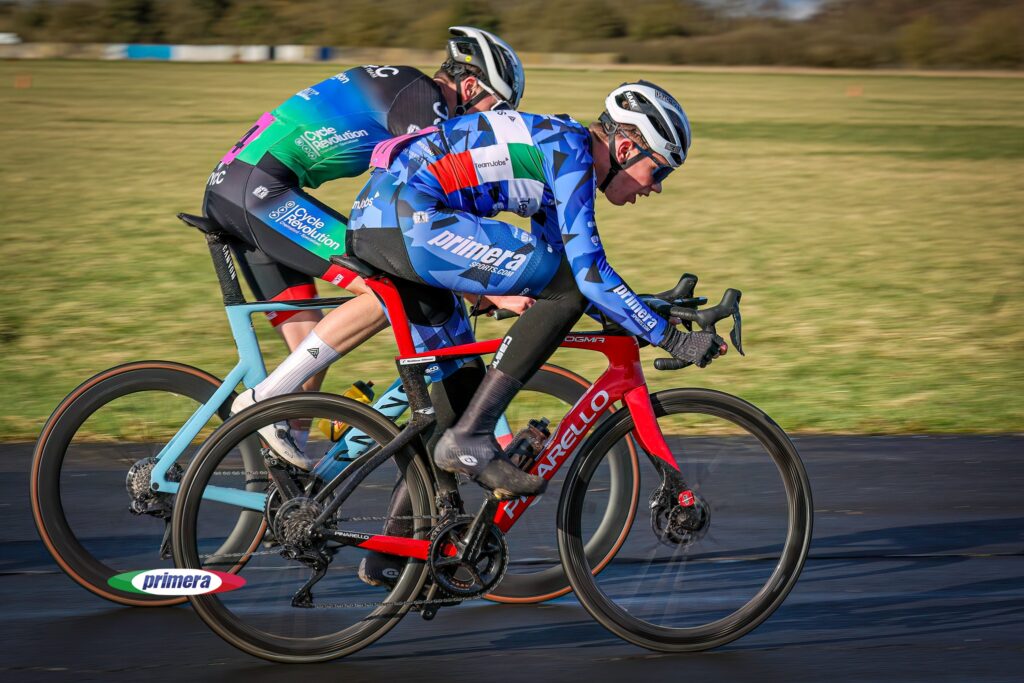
<point>718,548</point>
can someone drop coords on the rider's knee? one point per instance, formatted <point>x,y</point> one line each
<point>358,286</point>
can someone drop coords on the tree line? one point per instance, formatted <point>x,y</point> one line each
<point>842,33</point>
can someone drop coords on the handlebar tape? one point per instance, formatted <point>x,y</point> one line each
<point>669,364</point>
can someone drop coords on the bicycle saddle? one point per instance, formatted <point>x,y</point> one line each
<point>363,268</point>
<point>201,222</point>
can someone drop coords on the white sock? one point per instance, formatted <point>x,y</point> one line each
<point>309,358</point>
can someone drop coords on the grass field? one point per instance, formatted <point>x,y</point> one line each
<point>874,223</point>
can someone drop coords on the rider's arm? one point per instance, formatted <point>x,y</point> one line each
<point>545,222</point>
<point>570,170</point>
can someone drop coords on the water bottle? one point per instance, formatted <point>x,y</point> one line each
<point>333,429</point>
<point>527,443</point>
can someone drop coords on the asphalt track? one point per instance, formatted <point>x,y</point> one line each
<point>916,573</point>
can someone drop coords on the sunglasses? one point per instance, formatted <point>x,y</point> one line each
<point>661,171</point>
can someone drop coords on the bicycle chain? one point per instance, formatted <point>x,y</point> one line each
<point>362,605</point>
<point>261,476</point>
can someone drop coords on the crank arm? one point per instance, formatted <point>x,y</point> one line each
<point>285,484</point>
<point>478,529</point>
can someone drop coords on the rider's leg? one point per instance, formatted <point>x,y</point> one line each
<point>271,280</point>
<point>299,234</point>
<point>449,397</point>
<point>470,446</point>
<point>462,252</point>
<point>293,331</point>
<point>340,331</point>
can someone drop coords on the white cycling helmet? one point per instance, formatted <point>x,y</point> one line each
<point>659,117</point>
<point>503,74</point>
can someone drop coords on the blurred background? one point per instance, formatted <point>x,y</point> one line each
<point>831,33</point>
<point>870,211</point>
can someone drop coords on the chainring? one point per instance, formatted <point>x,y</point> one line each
<point>462,578</point>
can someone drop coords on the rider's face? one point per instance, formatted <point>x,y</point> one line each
<point>637,180</point>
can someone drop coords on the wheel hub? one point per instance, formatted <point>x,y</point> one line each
<point>294,523</point>
<point>144,500</point>
<point>680,520</point>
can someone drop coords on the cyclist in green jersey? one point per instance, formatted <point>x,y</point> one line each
<point>285,236</point>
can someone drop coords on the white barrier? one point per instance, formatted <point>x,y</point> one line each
<point>260,53</point>
<point>254,53</point>
<point>292,53</point>
<point>203,53</point>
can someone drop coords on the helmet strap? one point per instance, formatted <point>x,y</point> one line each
<point>613,164</point>
<point>612,129</point>
<point>462,107</point>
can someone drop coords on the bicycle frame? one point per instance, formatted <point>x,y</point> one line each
<point>623,381</point>
<point>250,371</point>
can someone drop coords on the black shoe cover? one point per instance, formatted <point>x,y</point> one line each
<point>378,569</point>
<point>483,461</point>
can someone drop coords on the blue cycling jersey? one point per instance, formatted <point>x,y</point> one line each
<point>443,188</point>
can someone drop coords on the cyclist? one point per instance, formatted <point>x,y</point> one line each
<point>325,132</point>
<point>426,219</point>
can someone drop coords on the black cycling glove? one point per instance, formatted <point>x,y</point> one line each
<point>699,348</point>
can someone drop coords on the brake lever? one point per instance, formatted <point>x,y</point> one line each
<point>706,318</point>
<point>736,334</point>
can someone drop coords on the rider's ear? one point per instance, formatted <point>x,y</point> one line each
<point>622,147</point>
<point>470,87</point>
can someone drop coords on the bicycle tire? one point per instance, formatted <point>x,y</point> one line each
<point>56,437</point>
<point>799,510</point>
<point>232,627</point>
<point>551,582</point>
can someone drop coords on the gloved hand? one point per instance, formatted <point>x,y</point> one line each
<point>699,348</point>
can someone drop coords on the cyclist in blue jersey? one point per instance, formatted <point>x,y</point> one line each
<point>427,218</point>
<point>285,236</point>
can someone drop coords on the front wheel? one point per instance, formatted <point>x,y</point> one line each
<point>710,564</point>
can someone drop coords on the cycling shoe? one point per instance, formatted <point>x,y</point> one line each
<point>278,435</point>
<point>482,460</point>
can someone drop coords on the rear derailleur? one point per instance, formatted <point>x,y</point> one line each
<point>295,528</point>
<point>145,500</point>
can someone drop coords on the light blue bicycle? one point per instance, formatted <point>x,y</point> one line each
<point>108,461</point>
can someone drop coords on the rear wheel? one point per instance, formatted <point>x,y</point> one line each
<point>343,614</point>
<point>713,560</point>
<point>93,459</point>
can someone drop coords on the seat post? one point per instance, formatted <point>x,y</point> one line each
<point>230,290</point>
